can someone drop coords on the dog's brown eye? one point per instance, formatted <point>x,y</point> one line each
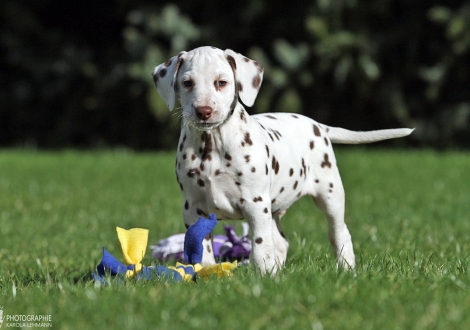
<point>188,83</point>
<point>221,83</point>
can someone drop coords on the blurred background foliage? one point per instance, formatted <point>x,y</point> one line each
<point>78,74</point>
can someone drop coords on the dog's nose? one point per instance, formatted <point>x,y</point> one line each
<point>204,113</point>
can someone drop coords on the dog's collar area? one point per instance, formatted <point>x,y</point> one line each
<point>205,126</point>
<point>232,108</point>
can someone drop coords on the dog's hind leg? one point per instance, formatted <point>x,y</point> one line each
<point>281,245</point>
<point>331,202</point>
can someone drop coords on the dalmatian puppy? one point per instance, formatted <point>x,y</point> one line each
<point>238,166</point>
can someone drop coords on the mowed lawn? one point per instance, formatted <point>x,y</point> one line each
<point>408,213</point>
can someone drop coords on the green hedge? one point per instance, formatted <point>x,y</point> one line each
<point>77,74</point>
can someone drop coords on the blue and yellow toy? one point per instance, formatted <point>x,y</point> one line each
<point>134,243</point>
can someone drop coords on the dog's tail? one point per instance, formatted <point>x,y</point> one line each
<point>344,136</point>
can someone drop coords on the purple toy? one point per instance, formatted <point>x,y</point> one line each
<point>227,247</point>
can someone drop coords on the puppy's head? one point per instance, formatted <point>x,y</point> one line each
<point>208,83</point>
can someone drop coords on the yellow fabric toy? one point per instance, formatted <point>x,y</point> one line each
<point>133,245</point>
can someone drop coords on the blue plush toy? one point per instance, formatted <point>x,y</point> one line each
<point>194,236</point>
<point>134,243</point>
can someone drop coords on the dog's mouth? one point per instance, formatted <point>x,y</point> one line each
<point>204,126</point>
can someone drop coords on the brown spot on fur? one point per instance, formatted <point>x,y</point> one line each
<point>193,157</point>
<point>208,237</point>
<point>242,200</point>
<point>239,86</point>
<point>326,141</point>
<point>331,185</point>
<point>209,249</point>
<point>275,134</point>
<point>193,171</point>
<point>238,183</point>
<point>291,172</point>
<point>282,189</point>
<point>201,183</point>
<point>206,152</point>
<point>312,145</point>
<point>247,139</point>
<point>272,117</point>
<point>186,205</point>
<point>201,212</point>
<point>266,169</point>
<point>232,62</point>
<point>294,116</point>
<point>259,240</point>
<point>265,210</point>
<point>256,81</point>
<point>217,172</point>
<point>267,150</point>
<point>317,181</point>
<point>242,115</point>
<point>316,130</point>
<point>253,170</point>
<point>258,199</point>
<point>326,161</point>
<point>227,156</point>
<point>273,201</point>
<point>247,158</point>
<point>259,66</point>
<point>295,184</point>
<point>275,165</point>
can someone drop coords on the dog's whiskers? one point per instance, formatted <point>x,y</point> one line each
<point>178,112</point>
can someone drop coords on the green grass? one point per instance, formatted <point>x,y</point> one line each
<point>408,212</point>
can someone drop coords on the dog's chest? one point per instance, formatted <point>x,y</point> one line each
<point>210,174</point>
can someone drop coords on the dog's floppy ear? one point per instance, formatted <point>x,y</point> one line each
<point>248,76</point>
<point>164,77</point>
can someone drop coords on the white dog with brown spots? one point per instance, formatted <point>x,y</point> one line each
<point>239,166</point>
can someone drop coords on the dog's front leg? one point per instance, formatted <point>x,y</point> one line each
<point>208,252</point>
<point>263,254</point>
